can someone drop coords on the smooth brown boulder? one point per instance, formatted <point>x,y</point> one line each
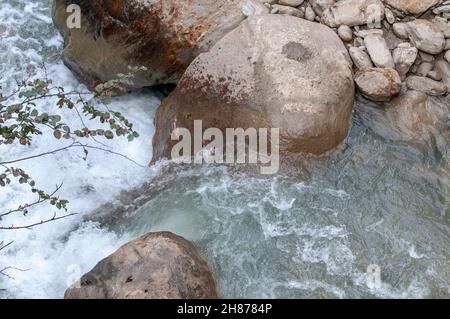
<point>378,84</point>
<point>273,71</point>
<point>155,266</point>
<point>162,35</point>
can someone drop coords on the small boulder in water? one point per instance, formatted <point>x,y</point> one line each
<point>155,266</point>
<point>414,116</point>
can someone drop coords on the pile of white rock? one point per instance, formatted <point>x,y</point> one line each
<point>394,44</point>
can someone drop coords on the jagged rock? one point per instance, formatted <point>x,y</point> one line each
<point>425,57</point>
<point>413,115</point>
<point>425,85</point>
<point>272,71</point>
<point>425,36</point>
<point>292,3</point>
<point>444,69</point>
<point>424,68</point>
<point>309,14</point>
<point>400,30</point>
<point>353,12</point>
<point>442,25</point>
<point>378,51</point>
<point>378,84</point>
<point>365,33</point>
<point>435,75</point>
<point>447,56</point>
<point>404,57</point>
<point>360,58</point>
<point>345,33</point>
<point>154,266</point>
<point>415,7</point>
<point>442,9</point>
<point>276,8</point>
<point>390,17</point>
<point>321,5</point>
<point>254,7</point>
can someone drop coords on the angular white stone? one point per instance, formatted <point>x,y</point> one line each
<point>378,51</point>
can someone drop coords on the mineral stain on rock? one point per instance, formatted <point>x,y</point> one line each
<point>296,51</point>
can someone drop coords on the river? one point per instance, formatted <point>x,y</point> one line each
<point>308,232</point>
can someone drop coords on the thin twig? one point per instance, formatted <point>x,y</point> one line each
<point>111,152</point>
<point>3,272</point>
<point>2,246</point>
<point>74,144</point>
<point>42,222</point>
<point>38,155</point>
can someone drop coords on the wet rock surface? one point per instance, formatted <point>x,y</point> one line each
<point>155,266</point>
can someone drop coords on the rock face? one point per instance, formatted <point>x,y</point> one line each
<point>272,71</point>
<point>415,7</point>
<point>378,84</point>
<point>154,266</point>
<point>162,35</point>
<point>353,12</point>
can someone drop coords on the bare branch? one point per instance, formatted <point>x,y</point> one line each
<point>74,144</point>
<point>42,222</point>
<point>3,272</point>
<point>38,155</point>
<point>3,246</point>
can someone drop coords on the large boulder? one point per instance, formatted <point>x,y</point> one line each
<point>162,35</point>
<point>154,266</point>
<point>415,7</point>
<point>272,71</point>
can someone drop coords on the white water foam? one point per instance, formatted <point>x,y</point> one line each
<point>55,254</point>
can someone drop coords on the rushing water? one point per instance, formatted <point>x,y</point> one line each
<point>308,232</point>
